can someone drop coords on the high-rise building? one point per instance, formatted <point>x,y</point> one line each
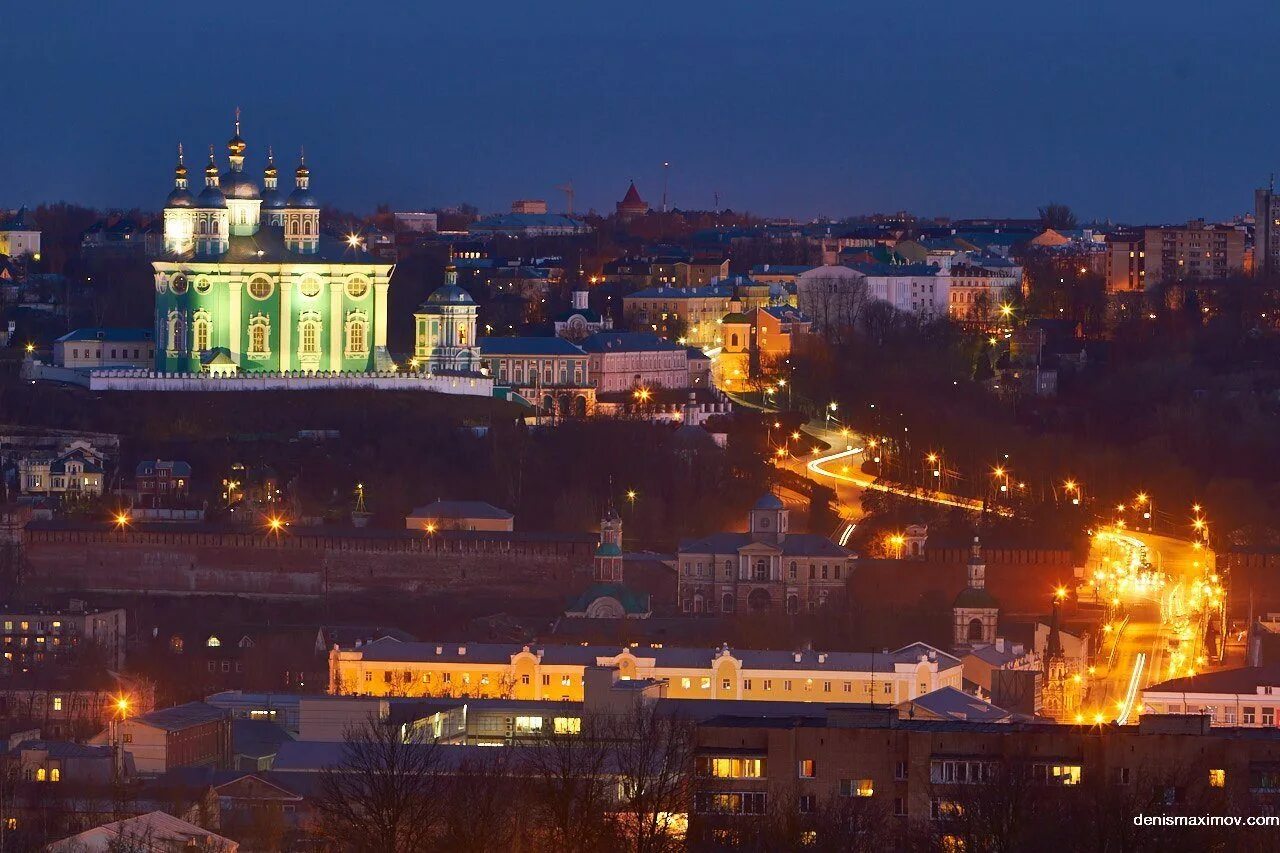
<point>1266,233</point>
<point>1193,251</point>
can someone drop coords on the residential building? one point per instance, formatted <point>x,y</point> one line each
<point>19,235</point>
<point>64,761</point>
<point>757,341</point>
<point>34,637</point>
<point>1248,696</point>
<point>976,293</point>
<point>550,372</point>
<point>688,313</point>
<point>700,271</point>
<point>1126,262</point>
<point>415,221</point>
<point>925,773</point>
<point>386,668</point>
<point>190,735</point>
<point>161,481</point>
<point>766,568</point>
<point>778,273</point>
<point>90,348</point>
<point>76,471</point>
<point>528,225</point>
<point>982,661</point>
<point>529,205</point>
<point>298,299</point>
<point>1194,251</point>
<point>459,515</point>
<point>623,361</point>
<point>916,289</point>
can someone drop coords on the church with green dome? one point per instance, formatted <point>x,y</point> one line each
<point>249,283</point>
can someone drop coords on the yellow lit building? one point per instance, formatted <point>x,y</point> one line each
<point>388,667</point>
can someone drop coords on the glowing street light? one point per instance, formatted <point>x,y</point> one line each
<point>31,348</point>
<point>122,519</point>
<point>631,495</point>
<point>353,240</point>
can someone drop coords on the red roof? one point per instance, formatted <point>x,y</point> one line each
<point>632,197</point>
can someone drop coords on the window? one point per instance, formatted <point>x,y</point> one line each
<point>768,684</point>
<point>791,570</point>
<point>259,336</point>
<point>1056,774</point>
<point>357,287</point>
<point>568,725</point>
<point>856,788</point>
<point>524,679</point>
<point>310,287</point>
<point>1122,776</point>
<point>900,770</point>
<point>40,774</point>
<point>1268,716</point>
<point>55,774</point>
<point>546,681</point>
<point>202,331</point>
<point>260,287</point>
<point>848,687</point>
<point>178,284</point>
<point>309,336</point>
<point>746,684</point>
<point>730,802</point>
<point>726,684</point>
<point>202,285</point>
<point>808,768</point>
<point>807,803</point>
<point>1248,715</point>
<point>1217,778</point>
<point>899,806</point>
<point>357,334</point>
<point>686,683</point>
<point>566,680</point>
<point>706,683</point>
<point>731,768</point>
<point>528,725</point>
<point>57,703</point>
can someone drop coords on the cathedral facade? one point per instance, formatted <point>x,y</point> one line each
<point>248,283</point>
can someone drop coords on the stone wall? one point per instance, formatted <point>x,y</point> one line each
<point>300,564</point>
<point>291,380</point>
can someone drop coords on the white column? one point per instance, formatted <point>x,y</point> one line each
<point>286,324</point>
<point>336,324</point>
<point>233,321</point>
<point>380,313</point>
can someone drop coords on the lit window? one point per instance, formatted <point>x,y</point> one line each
<point>1217,778</point>
<point>528,725</point>
<point>57,703</point>
<point>808,768</point>
<point>213,643</point>
<point>568,725</point>
<point>856,788</point>
<point>706,684</point>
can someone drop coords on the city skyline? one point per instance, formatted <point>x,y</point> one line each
<point>485,110</point>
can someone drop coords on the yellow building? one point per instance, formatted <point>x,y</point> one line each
<point>388,667</point>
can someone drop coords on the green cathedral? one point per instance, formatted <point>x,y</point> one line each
<point>248,283</point>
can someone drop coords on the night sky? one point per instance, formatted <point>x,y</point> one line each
<point>1135,110</point>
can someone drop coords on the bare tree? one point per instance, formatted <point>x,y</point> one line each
<point>653,756</point>
<point>384,794</point>
<point>481,811</point>
<point>572,789</point>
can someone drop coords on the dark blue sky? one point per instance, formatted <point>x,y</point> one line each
<point>1135,110</point>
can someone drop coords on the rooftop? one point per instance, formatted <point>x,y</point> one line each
<point>628,342</point>
<point>461,509</point>
<point>527,345</point>
<point>107,334</point>
<point>181,717</point>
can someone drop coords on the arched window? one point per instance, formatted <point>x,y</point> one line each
<point>243,220</point>
<point>306,227</point>
<point>793,604</point>
<point>762,570</point>
<point>177,332</point>
<point>204,226</point>
<point>309,337</point>
<point>357,334</point>
<point>733,339</point>
<point>293,227</point>
<point>975,629</point>
<point>791,570</point>
<point>202,331</point>
<point>726,602</point>
<point>259,336</point>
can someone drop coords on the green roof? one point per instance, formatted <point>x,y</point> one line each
<point>631,601</point>
<point>609,550</point>
<point>970,597</point>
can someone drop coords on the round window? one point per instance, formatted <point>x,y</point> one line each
<point>357,288</point>
<point>202,285</point>
<point>260,288</point>
<point>178,284</point>
<point>310,287</point>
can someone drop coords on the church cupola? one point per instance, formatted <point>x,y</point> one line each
<point>179,221</point>
<point>302,213</point>
<point>210,220</point>
<point>769,520</point>
<point>272,201</point>
<point>244,201</point>
<point>608,559</point>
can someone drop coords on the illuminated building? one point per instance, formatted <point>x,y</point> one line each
<point>445,329</point>
<point>767,568</point>
<point>387,667</point>
<point>975,610</point>
<point>248,283</point>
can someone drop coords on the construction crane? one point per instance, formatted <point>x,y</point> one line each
<point>567,189</point>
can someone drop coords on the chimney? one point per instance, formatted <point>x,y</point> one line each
<point>1000,644</point>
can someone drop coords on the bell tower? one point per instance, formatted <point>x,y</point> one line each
<point>608,559</point>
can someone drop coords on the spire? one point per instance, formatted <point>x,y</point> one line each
<point>180,171</point>
<point>236,146</point>
<point>269,174</point>
<point>302,175</point>
<point>211,171</point>
<point>1053,648</point>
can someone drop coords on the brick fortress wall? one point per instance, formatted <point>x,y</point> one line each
<point>302,562</point>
